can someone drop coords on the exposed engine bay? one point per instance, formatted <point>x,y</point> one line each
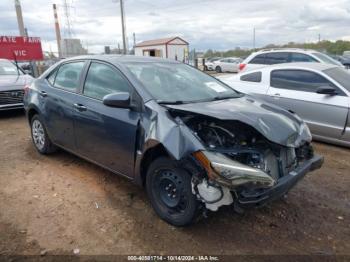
<point>243,145</point>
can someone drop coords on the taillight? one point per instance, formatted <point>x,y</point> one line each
<point>26,89</point>
<point>241,66</point>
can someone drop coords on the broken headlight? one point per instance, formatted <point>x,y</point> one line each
<point>230,172</point>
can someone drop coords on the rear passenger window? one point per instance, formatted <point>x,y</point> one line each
<point>252,77</point>
<point>298,57</point>
<point>276,58</point>
<point>68,76</point>
<point>259,59</point>
<point>299,80</point>
<point>103,80</point>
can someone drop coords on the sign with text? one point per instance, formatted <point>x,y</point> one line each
<point>20,48</point>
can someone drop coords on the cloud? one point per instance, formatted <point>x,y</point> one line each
<point>203,23</point>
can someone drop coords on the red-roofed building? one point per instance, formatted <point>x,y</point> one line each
<point>173,48</point>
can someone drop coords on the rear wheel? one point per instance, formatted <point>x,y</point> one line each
<point>218,69</point>
<point>40,138</point>
<point>170,192</point>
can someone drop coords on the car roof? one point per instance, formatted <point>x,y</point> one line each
<point>231,57</point>
<point>300,65</point>
<point>298,50</point>
<point>123,58</point>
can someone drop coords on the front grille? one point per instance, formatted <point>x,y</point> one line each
<point>11,97</point>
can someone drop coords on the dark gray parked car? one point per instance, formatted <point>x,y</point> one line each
<point>12,83</point>
<point>192,141</point>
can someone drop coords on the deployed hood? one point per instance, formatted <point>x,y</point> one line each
<point>274,123</point>
<point>10,81</point>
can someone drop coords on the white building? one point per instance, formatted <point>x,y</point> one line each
<point>173,48</point>
<point>72,47</point>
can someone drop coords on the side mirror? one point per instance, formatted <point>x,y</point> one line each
<point>326,90</point>
<point>120,100</point>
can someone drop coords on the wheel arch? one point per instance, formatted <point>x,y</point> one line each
<point>32,111</point>
<point>148,157</point>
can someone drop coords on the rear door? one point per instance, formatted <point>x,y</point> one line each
<point>256,62</point>
<point>224,64</point>
<point>253,84</point>
<point>58,94</point>
<point>295,90</point>
<point>299,57</point>
<point>232,65</point>
<point>106,135</point>
<point>277,58</point>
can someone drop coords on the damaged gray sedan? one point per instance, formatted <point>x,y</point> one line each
<point>193,142</point>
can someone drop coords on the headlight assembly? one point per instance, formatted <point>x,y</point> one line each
<point>223,169</point>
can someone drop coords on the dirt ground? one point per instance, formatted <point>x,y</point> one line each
<point>55,204</point>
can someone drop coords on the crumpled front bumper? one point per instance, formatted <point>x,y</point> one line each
<point>248,199</point>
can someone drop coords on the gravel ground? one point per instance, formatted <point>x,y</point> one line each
<point>55,204</point>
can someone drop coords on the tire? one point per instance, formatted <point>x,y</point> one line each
<point>218,69</point>
<point>40,138</point>
<point>170,192</point>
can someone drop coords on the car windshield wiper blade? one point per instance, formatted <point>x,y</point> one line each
<point>164,102</point>
<point>226,97</point>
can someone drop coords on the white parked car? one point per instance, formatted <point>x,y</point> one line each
<point>209,63</point>
<point>228,64</point>
<point>284,55</point>
<point>318,93</point>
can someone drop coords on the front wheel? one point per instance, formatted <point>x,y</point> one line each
<point>40,138</point>
<point>218,69</point>
<point>169,189</point>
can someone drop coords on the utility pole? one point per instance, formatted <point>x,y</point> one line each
<point>58,31</point>
<point>20,18</point>
<point>319,38</point>
<point>254,38</point>
<point>122,14</point>
<point>67,7</point>
<point>134,36</point>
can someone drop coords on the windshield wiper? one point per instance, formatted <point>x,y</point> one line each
<point>164,102</point>
<point>226,97</point>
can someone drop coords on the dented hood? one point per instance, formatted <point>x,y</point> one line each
<point>276,124</point>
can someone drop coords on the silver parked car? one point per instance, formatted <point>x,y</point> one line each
<point>318,93</point>
<point>12,83</point>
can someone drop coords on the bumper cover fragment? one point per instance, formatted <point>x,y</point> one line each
<point>258,198</point>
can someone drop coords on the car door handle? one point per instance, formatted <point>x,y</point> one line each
<point>43,94</point>
<point>80,107</point>
<point>276,96</point>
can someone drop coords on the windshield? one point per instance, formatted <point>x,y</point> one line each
<point>7,68</point>
<point>327,59</point>
<point>179,83</point>
<point>214,59</point>
<point>340,75</point>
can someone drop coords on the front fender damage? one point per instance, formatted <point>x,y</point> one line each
<point>225,157</point>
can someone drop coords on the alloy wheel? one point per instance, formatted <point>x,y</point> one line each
<point>38,134</point>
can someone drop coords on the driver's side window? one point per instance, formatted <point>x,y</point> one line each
<point>299,80</point>
<point>102,80</point>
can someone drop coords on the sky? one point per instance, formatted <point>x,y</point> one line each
<point>205,24</point>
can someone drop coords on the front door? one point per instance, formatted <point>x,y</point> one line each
<point>105,134</point>
<point>295,90</point>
